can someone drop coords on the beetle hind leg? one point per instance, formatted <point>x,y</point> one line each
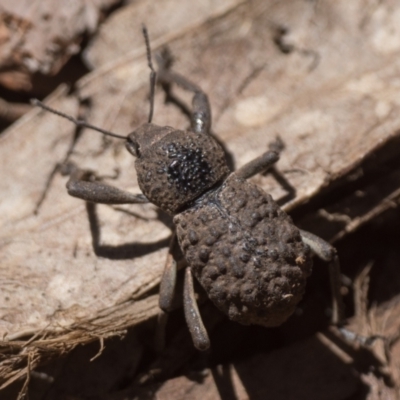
<point>191,310</point>
<point>192,314</point>
<point>167,294</point>
<point>327,252</point>
<point>193,319</point>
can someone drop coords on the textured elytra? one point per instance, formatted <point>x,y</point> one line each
<point>245,252</point>
<point>179,167</point>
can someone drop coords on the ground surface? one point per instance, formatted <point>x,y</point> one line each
<point>78,283</point>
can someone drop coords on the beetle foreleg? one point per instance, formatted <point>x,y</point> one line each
<point>201,113</point>
<point>82,185</point>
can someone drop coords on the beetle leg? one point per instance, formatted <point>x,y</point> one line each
<point>259,164</point>
<point>201,113</point>
<point>327,252</point>
<point>168,280</point>
<point>166,296</point>
<point>192,314</point>
<point>82,185</point>
<point>159,337</point>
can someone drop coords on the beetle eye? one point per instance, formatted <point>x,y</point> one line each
<point>132,147</point>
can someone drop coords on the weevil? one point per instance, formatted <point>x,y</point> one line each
<point>245,251</point>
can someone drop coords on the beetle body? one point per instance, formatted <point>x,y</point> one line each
<point>242,248</point>
<point>245,252</point>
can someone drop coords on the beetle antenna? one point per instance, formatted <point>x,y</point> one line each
<point>152,73</point>
<point>77,122</point>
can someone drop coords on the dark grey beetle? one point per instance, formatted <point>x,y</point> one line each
<point>242,248</point>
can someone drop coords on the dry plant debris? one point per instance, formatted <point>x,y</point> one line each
<point>40,36</point>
